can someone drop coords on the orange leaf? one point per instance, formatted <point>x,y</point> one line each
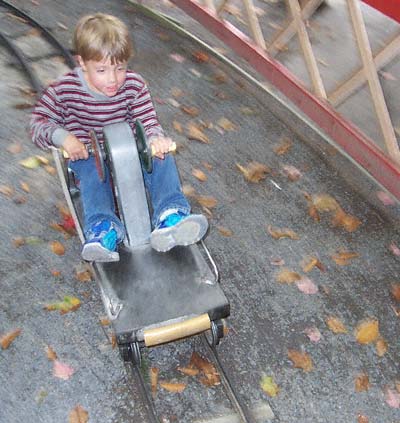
<point>343,258</point>
<point>362,382</point>
<point>8,338</point>
<point>301,360</point>
<point>277,233</point>
<point>173,386</point>
<point>51,170</point>
<point>226,124</point>
<point>367,331</point>
<point>336,325</point>
<point>287,276</point>
<point>395,291</point>
<point>254,172</point>
<point>14,148</point>
<point>346,221</point>
<point>188,190</point>
<point>25,186</point>
<point>57,248</point>
<point>196,134</point>
<point>200,56</point>
<point>199,174</point>
<point>224,231</point>
<point>83,273</point>
<point>105,322</point>
<point>325,203</point>
<point>6,190</point>
<point>211,376</point>
<point>308,263</point>
<point>207,165</point>
<point>177,126</point>
<point>192,111</point>
<point>78,415</point>
<point>362,419</point>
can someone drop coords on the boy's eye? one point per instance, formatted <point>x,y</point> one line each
<point>100,70</point>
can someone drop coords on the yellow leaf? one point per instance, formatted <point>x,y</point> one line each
<point>325,203</point>
<point>196,134</point>
<point>173,386</point>
<point>206,201</point>
<point>57,248</point>
<point>78,415</point>
<point>105,322</point>
<point>343,257</point>
<point>8,338</point>
<point>30,162</point>
<point>199,174</point>
<point>287,276</point>
<point>278,233</point>
<point>336,325</point>
<point>188,371</point>
<point>68,304</point>
<point>226,124</point>
<point>381,346</point>
<point>367,331</point>
<point>269,386</point>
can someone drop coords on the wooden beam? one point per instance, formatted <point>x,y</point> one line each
<point>308,53</point>
<point>373,80</point>
<point>346,135</point>
<point>284,36</point>
<point>347,88</point>
<point>254,24</point>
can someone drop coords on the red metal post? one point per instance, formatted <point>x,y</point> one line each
<point>390,8</point>
<point>343,132</point>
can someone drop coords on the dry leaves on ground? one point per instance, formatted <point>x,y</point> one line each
<point>254,172</point>
<point>284,145</point>
<point>279,233</point>
<point>195,133</point>
<point>301,360</point>
<point>269,386</point>
<point>361,382</point>
<point>62,370</point>
<point>199,174</point>
<point>57,248</point>
<point>50,353</point>
<point>208,373</point>
<point>286,275</point>
<point>78,415</point>
<point>7,339</point>
<point>154,371</point>
<point>206,201</point>
<point>67,305</point>
<point>343,258</point>
<point>335,325</point>
<point>224,231</point>
<point>308,263</point>
<point>367,331</point>
<point>176,387</point>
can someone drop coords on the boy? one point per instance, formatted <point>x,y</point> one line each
<point>99,92</point>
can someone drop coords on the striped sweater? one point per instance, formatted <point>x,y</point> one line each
<point>70,106</point>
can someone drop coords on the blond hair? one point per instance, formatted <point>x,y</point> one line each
<point>100,36</point>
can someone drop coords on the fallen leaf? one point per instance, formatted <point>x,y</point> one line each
<point>104,321</point>
<point>23,106</point>
<point>394,249</point>
<point>188,190</point>
<point>50,353</point>
<point>361,382</point>
<point>173,386</point>
<point>62,370</point>
<point>325,203</point>
<point>55,273</point>
<point>14,148</point>
<point>177,126</point>
<point>224,231</point>
<point>226,124</point>
<point>392,398</point>
<point>189,371</point>
<point>287,276</point>
<point>57,248</point>
<point>254,172</point>
<point>313,333</point>
<point>269,386</point>
<point>347,221</point>
<point>68,304</point>
<point>25,186</point>
<point>83,273</point>
<point>385,198</point>
<point>343,257</point>
<point>20,199</point>
<point>200,56</point>
<point>292,173</point>
<point>154,371</point>
<point>277,262</point>
<point>199,174</point>
<point>210,375</point>
<point>362,419</point>
<point>220,77</point>
<point>307,286</point>
<point>192,111</point>
<point>206,201</point>
<point>285,144</point>
<point>381,347</point>
<point>278,233</point>
<point>173,103</point>
<point>336,325</point>
<point>176,92</point>
<point>301,360</point>
<point>50,170</point>
<point>207,165</point>
<point>42,160</point>
<point>196,134</point>
<point>7,190</point>
<point>8,338</point>
<point>395,291</point>
<point>308,263</point>
<point>78,415</point>
<point>367,331</point>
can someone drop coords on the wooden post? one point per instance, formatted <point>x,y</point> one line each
<point>309,57</point>
<point>373,80</point>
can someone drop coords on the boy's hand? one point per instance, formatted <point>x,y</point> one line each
<point>160,146</point>
<point>74,148</point>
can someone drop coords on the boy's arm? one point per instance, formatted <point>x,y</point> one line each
<point>46,124</point>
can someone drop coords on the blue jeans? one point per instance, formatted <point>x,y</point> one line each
<point>163,186</point>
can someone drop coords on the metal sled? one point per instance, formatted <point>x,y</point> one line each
<point>150,297</point>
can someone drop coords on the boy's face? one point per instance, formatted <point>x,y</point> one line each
<point>103,77</point>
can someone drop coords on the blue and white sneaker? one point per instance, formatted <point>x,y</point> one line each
<point>178,228</point>
<point>101,243</point>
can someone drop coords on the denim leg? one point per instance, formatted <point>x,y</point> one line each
<point>96,196</point>
<point>164,188</point>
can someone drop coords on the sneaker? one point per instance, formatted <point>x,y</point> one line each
<point>178,229</point>
<point>101,243</point>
